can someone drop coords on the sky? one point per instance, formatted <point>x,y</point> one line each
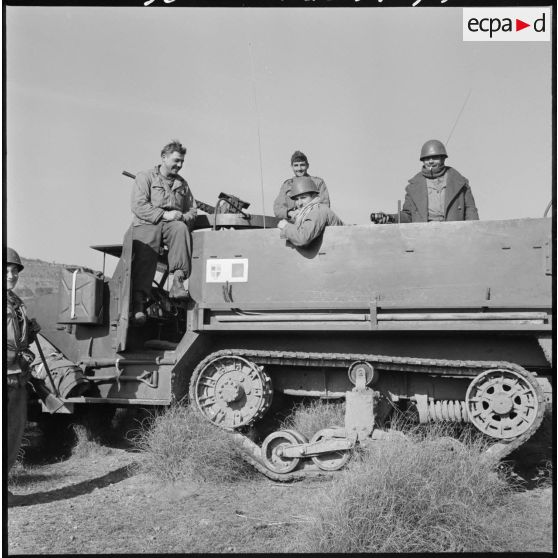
<point>92,91</point>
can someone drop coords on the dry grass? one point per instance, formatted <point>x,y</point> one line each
<point>422,493</point>
<point>87,445</point>
<point>179,443</point>
<point>16,473</point>
<point>316,415</point>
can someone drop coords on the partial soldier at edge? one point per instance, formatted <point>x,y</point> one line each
<point>20,333</point>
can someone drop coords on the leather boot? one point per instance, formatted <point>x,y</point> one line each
<point>138,313</point>
<point>177,290</point>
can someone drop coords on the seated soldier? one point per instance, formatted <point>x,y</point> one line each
<point>312,215</point>
<point>164,210</point>
<point>436,193</point>
<point>284,207</point>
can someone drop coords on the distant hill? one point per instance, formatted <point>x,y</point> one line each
<point>38,278</point>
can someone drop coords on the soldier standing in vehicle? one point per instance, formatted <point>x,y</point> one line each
<point>164,210</point>
<point>312,215</point>
<point>284,207</point>
<point>436,193</point>
<point>20,333</point>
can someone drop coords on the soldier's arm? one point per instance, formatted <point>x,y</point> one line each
<point>190,211</point>
<point>324,194</point>
<point>407,211</point>
<point>281,205</point>
<point>141,200</point>
<point>471,213</point>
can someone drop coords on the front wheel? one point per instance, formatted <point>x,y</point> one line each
<point>231,391</point>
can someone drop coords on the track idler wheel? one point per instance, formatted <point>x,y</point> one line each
<point>333,460</point>
<point>273,450</point>
<point>504,404</point>
<point>231,391</point>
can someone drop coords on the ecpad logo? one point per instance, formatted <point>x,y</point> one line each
<point>506,24</point>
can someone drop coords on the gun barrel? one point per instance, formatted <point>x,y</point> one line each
<point>128,174</point>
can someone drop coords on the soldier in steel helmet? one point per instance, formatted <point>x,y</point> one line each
<point>312,215</point>
<point>164,210</point>
<point>20,333</point>
<point>436,193</point>
<point>284,207</point>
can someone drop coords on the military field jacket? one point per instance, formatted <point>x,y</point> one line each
<point>283,203</point>
<point>312,226</point>
<point>152,196</point>
<point>459,201</point>
<point>18,334</point>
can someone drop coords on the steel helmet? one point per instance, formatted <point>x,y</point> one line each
<point>432,148</point>
<point>12,257</point>
<point>302,185</point>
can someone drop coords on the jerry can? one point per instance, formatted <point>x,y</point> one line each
<point>80,299</point>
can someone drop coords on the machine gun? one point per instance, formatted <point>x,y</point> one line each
<point>382,218</point>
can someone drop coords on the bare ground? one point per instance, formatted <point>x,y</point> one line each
<point>99,505</point>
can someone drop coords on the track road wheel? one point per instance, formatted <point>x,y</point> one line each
<point>231,391</point>
<point>331,461</point>
<point>272,451</point>
<point>504,404</point>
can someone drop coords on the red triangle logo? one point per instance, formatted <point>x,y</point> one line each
<point>519,25</point>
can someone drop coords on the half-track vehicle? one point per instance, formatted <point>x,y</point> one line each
<point>450,322</point>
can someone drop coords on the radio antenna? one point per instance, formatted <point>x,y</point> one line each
<point>459,115</point>
<point>258,125</point>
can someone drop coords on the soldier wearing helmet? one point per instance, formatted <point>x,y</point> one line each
<point>436,193</point>
<point>312,215</point>
<point>284,207</point>
<point>20,333</point>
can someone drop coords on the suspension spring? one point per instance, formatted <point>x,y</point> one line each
<point>453,411</point>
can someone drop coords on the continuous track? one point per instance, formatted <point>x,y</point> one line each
<point>441,367</point>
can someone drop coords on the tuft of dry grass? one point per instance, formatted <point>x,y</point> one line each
<point>316,415</point>
<point>420,493</point>
<point>179,443</point>
<point>16,473</point>
<point>86,445</point>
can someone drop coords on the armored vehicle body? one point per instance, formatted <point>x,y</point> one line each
<point>448,321</point>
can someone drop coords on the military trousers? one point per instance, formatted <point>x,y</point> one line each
<point>146,243</point>
<point>17,415</point>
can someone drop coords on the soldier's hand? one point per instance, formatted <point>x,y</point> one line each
<point>25,358</point>
<point>34,328</point>
<point>190,217</point>
<point>379,218</point>
<point>292,215</point>
<point>282,224</point>
<point>172,215</point>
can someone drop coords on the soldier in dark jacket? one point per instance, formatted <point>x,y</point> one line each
<point>437,193</point>
<point>20,333</point>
